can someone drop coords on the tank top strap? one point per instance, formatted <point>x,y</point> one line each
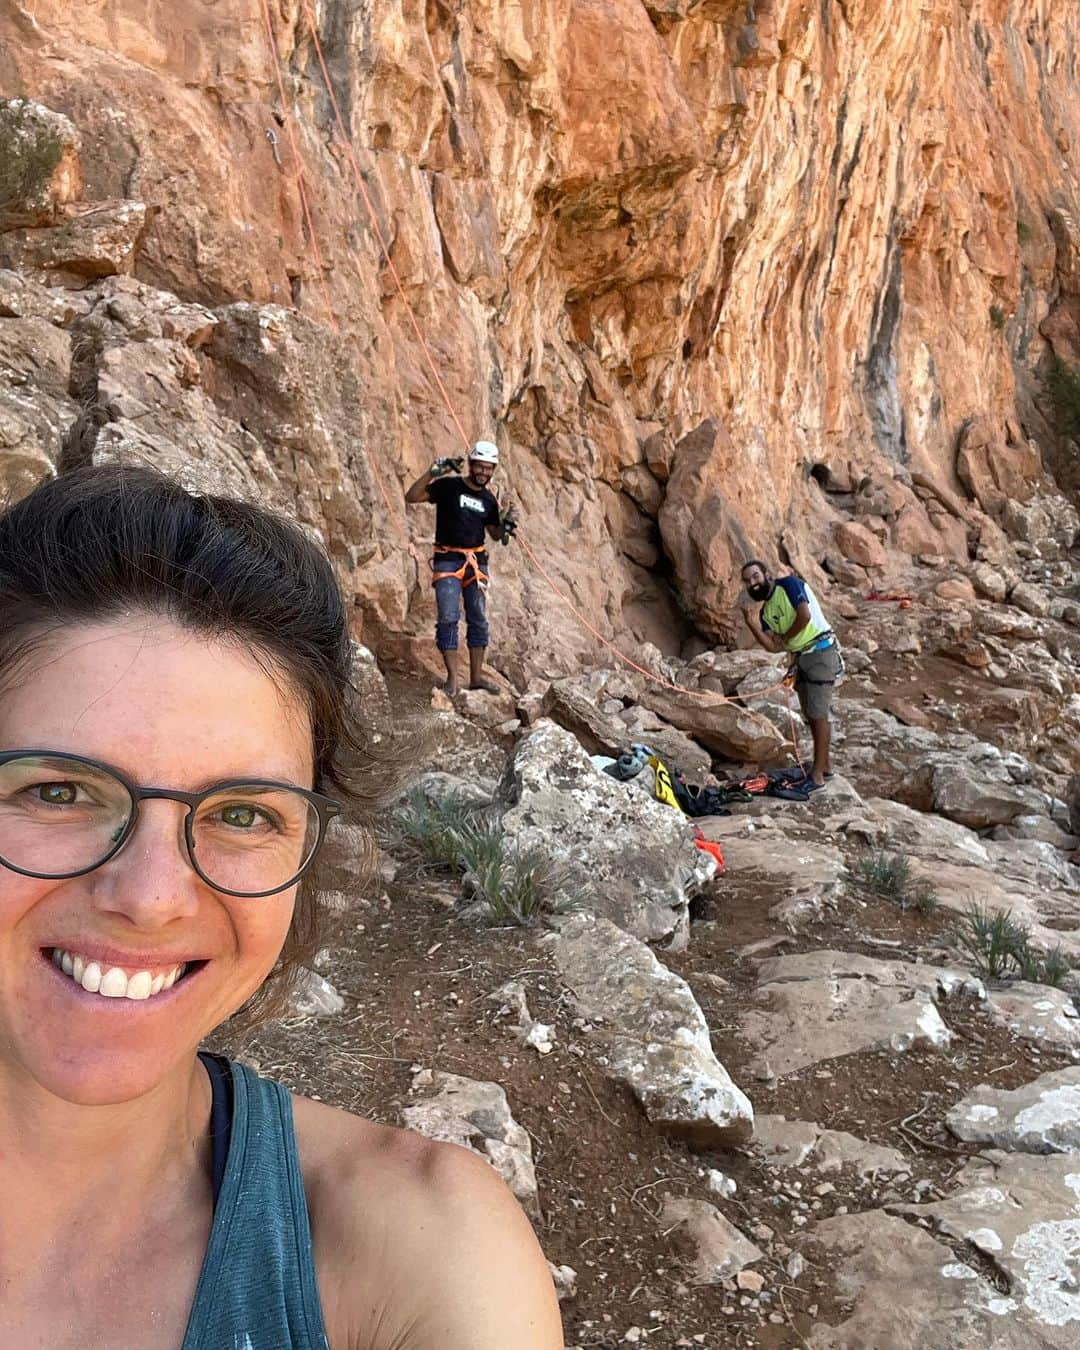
<point>257,1289</point>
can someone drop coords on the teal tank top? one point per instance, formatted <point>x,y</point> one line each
<point>257,1288</point>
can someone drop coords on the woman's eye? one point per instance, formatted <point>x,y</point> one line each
<point>58,794</point>
<point>240,817</point>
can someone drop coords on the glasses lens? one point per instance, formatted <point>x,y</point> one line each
<point>252,839</point>
<point>58,816</point>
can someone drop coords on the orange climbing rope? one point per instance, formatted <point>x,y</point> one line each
<point>346,141</point>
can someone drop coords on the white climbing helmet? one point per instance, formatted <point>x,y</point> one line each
<point>484,452</point>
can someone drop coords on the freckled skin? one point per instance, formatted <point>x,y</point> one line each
<point>161,706</point>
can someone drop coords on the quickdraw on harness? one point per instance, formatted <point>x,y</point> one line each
<point>479,576</point>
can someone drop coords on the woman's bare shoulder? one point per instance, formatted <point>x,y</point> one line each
<point>418,1244</point>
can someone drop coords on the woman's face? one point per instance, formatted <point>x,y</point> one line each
<point>168,709</point>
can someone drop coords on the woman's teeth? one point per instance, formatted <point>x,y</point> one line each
<point>112,981</point>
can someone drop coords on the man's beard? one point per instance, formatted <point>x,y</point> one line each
<point>761,591</point>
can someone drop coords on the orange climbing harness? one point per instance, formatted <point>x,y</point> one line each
<point>472,559</point>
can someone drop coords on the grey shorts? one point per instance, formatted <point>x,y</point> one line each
<point>815,679</point>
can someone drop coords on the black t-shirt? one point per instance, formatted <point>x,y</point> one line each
<point>462,512</point>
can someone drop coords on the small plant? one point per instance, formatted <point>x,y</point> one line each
<point>1029,964</point>
<point>515,885</point>
<point>435,828</point>
<point>992,940</point>
<point>889,875</point>
<point>886,874</point>
<point>1023,231</point>
<point>997,318</point>
<point>1001,946</point>
<point>1055,968</point>
<point>30,153</point>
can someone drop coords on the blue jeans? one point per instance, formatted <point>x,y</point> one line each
<point>448,596</point>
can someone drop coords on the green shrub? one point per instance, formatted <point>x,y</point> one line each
<point>886,874</point>
<point>992,940</point>
<point>516,886</point>
<point>28,153</point>
<point>1062,383</point>
<point>434,829</point>
<point>1001,946</point>
<point>1055,968</point>
<point>997,318</point>
<point>1023,231</point>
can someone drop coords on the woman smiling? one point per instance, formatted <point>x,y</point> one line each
<point>174,745</point>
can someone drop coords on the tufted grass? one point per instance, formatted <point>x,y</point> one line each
<point>1000,947</point>
<point>889,875</point>
<point>514,886</point>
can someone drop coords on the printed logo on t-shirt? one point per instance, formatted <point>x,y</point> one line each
<point>468,503</point>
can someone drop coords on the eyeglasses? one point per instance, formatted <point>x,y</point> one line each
<point>62,816</point>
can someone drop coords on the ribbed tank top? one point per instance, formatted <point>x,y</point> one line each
<point>257,1288</point>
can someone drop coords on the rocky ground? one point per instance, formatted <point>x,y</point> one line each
<point>768,1107</point>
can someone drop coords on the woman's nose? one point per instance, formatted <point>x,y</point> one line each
<point>151,881</point>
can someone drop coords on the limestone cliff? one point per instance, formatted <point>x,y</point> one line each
<point>777,276</point>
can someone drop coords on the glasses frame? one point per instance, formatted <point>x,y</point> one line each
<point>326,808</point>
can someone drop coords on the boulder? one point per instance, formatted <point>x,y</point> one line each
<point>979,795</point>
<point>987,582</point>
<point>447,743</point>
<point>577,703</point>
<point>720,1250</point>
<point>476,1115</point>
<point>40,170</point>
<point>621,853</point>
<point>1037,1012</point>
<point>1031,599</point>
<point>370,697</point>
<point>905,1290</point>
<point>860,545</point>
<point>700,529</point>
<point>800,1143</point>
<point>955,588</point>
<point>1023,1215</point>
<point>96,240</point>
<point>314,996</point>
<point>822,1005</point>
<point>995,463</point>
<point>37,414</point>
<point>1040,1117</point>
<point>728,730</point>
<point>654,1036</point>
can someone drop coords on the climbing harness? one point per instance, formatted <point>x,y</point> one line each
<point>479,576</point>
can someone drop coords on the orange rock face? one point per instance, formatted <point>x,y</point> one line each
<point>720,279</point>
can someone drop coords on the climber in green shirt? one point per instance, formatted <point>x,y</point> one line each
<point>791,620</point>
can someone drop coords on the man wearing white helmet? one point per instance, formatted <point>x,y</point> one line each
<point>466,513</point>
